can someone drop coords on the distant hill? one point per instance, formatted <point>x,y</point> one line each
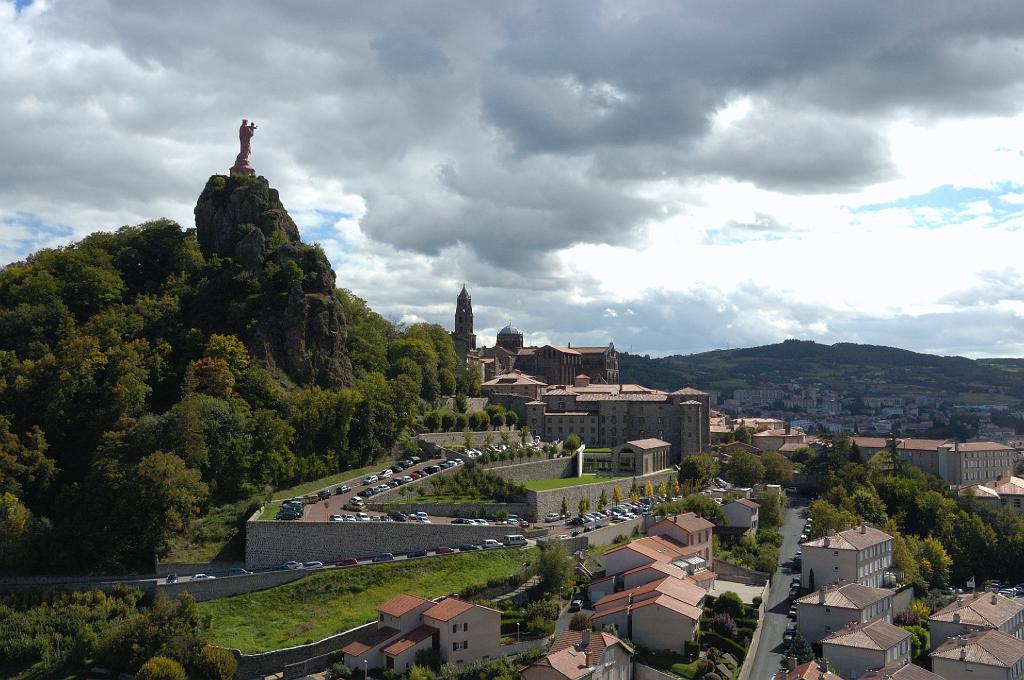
<point>844,366</point>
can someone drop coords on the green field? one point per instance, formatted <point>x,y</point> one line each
<point>330,602</point>
<point>562,482</point>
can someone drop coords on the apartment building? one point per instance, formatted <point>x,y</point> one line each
<point>956,463</point>
<point>660,615</point>
<point>860,647</point>
<point>998,493</point>
<point>977,612</point>
<point>583,655</point>
<point>988,655</point>
<point>836,606</point>
<point>858,555</point>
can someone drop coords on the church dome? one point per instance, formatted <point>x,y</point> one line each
<point>510,330</point>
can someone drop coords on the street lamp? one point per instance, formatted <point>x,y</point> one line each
<point>366,668</point>
<point>517,631</point>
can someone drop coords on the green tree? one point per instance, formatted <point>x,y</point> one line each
<point>564,510</point>
<point>432,421</point>
<point>800,649</point>
<point>571,443</point>
<point>616,495</point>
<point>729,603</point>
<point>602,500</point>
<point>511,418</point>
<point>421,673</point>
<point>744,469</point>
<point>555,568</point>
<point>769,513</point>
<point>866,504</point>
<point>777,468</point>
<point>698,469</point>
<point>215,663</point>
<point>584,506</point>
<point>161,668</point>
<point>828,517</point>
<point>742,434</point>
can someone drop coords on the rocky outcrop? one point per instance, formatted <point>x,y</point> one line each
<point>299,329</point>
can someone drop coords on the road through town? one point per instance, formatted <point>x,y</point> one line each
<point>769,650</point>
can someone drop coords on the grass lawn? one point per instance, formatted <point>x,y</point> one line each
<point>562,482</point>
<point>598,450</point>
<point>218,535</point>
<point>334,601</point>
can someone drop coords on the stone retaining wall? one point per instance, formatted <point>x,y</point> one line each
<point>551,501</point>
<point>251,666</point>
<point>269,544</point>
<point>179,568</point>
<point>529,472</point>
<point>226,586</point>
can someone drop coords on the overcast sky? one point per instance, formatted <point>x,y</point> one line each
<point>673,177</point>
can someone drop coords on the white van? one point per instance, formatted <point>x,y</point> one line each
<point>514,539</point>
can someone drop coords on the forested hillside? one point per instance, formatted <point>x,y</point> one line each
<point>150,373</point>
<point>845,367</point>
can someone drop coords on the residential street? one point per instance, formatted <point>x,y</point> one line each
<point>769,651</point>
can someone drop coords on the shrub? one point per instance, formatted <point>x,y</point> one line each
<point>215,663</point>
<point>161,668</point>
<point>713,639</point>
<point>723,624</point>
<point>729,603</point>
<point>580,621</point>
<point>338,671</point>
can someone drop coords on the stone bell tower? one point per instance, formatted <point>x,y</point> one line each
<point>463,336</point>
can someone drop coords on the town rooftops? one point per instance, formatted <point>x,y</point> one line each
<point>448,608</point>
<point>845,596</point>
<point>690,392</point>
<point>857,538</point>
<point>402,604</point>
<point>368,641</point>
<point>981,446</point>
<point>680,589</point>
<point>647,444</point>
<point>1011,486</point>
<point>807,671</point>
<point>747,502</point>
<point>409,640</point>
<point>988,648</point>
<point>688,521</point>
<point>985,610</point>
<point>573,658</point>
<point>902,671</point>
<point>558,392</point>
<point>513,378</point>
<point>870,442</point>
<point>657,548</point>
<point>920,444</point>
<point>877,635</point>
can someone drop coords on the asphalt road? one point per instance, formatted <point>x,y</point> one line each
<point>770,649</point>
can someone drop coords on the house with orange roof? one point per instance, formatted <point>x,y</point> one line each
<point>812,670</point>
<point>1001,492</point>
<point>860,647</point>
<point>989,654</point>
<point>660,615</point>
<point>741,515</point>
<point>975,612</point>
<point>583,655</point>
<point>689,530</point>
<point>407,624</point>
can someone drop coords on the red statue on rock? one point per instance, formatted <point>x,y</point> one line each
<point>245,133</point>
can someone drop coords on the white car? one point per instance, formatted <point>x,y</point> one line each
<point>490,543</point>
<point>371,479</point>
<point>202,577</point>
<point>386,473</point>
<point>420,514</point>
<point>552,517</point>
<point>337,518</point>
<point>362,517</point>
<point>422,520</point>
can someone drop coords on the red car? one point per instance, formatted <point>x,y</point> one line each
<point>415,475</point>
<point>443,550</point>
<point>348,562</point>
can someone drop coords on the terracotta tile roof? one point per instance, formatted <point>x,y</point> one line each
<point>982,446</point>
<point>555,414</point>
<point>366,642</point>
<point>559,392</point>
<point>920,444</point>
<point>981,491</point>
<point>402,604</point>
<point>661,567</point>
<point>904,671</point>
<point>591,350</point>
<point>571,661</point>
<point>857,538</point>
<point>563,350</point>
<point>673,587</point>
<point>989,648</point>
<point>448,608</point>
<point>657,548</point>
<point>409,640</point>
<point>672,604</point>
<point>807,671</point>
<point>877,635</point>
<point>649,443</point>
<point>688,521</point>
<point>514,378</point>
<point>639,396</point>
<point>846,596</point>
<point>986,610</point>
<point>747,502</point>
<point>870,442</point>
<point>701,576</point>
<point>1013,486</point>
<point>690,391</point>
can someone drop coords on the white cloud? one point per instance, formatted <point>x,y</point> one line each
<point>671,177</point>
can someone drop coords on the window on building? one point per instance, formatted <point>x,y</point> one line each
<point>455,627</point>
<point>455,646</point>
<point>465,627</point>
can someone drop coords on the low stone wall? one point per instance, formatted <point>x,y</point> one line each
<point>551,501</point>
<point>902,599</point>
<point>269,544</point>
<point>727,571</point>
<point>477,438</point>
<point>226,586</point>
<point>642,672</point>
<point>251,666</point>
<point>748,660</point>
<point>179,568</point>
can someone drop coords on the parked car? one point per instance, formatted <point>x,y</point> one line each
<point>337,518</point>
<point>384,557</point>
<point>293,565</point>
<point>239,571</point>
<point>399,516</point>
<point>490,543</point>
<point>576,605</point>
<point>323,494</point>
<point>792,612</point>
<point>405,480</point>
<point>417,553</point>
<point>203,577</point>
<point>172,578</point>
<point>414,459</point>
<point>514,539</point>
<point>348,562</point>
<point>423,520</point>
<point>552,517</point>
<point>420,514</point>
<point>370,479</point>
<point>443,550</point>
<point>461,520</point>
<point>415,475</point>
<point>466,547</point>
<point>386,472</point>
<point>362,517</point>
<point>312,565</point>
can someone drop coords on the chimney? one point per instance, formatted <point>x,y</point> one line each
<point>787,429</point>
<point>963,647</point>
<point>956,617</point>
<point>994,600</point>
<point>790,663</point>
<point>586,639</point>
<point>863,527</point>
<point>821,595</point>
<point>827,541</point>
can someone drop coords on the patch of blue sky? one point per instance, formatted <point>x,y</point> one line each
<point>946,205</point>
<point>325,229</point>
<point>21,4</point>
<point>23,233</point>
